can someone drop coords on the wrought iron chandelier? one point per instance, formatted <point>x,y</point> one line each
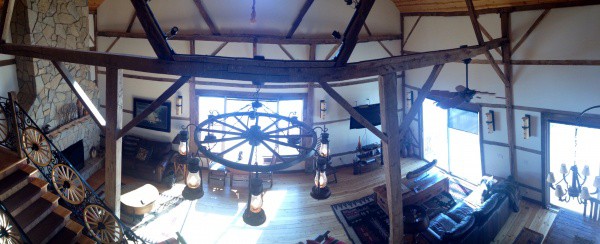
<point>263,130</point>
<point>576,190</point>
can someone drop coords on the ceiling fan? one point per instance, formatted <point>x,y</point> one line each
<point>462,94</point>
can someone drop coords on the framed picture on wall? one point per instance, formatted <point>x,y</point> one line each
<point>159,120</point>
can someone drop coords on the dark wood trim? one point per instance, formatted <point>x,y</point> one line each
<point>557,62</point>
<point>249,69</point>
<point>332,51</point>
<point>474,22</point>
<point>250,95</point>
<point>129,111</point>
<point>524,149</point>
<point>507,79</point>
<point>531,28</point>
<point>411,31</point>
<point>154,105</point>
<point>129,26</point>
<point>288,54</point>
<point>489,37</point>
<point>412,87</point>
<point>153,31</point>
<point>331,121</point>
<point>352,31</point>
<point>509,9</point>
<point>113,144</point>
<point>206,17</point>
<point>8,62</point>
<point>299,18</point>
<point>500,144</point>
<point>529,187</point>
<point>6,17</point>
<point>261,39</point>
<point>219,48</point>
<point>481,147</point>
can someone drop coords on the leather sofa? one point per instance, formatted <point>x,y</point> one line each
<point>152,164</point>
<point>471,223</point>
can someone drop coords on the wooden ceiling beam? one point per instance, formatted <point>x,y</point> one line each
<point>128,30</point>
<point>474,22</point>
<point>528,32</point>
<point>261,39</point>
<point>206,17</point>
<point>299,18</point>
<point>153,31</point>
<point>437,9</point>
<point>352,31</point>
<point>411,31</point>
<point>250,69</point>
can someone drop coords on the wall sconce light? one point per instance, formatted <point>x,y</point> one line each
<point>179,105</point>
<point>410,99</point>
<point>526,126</point>
<point>489,120</point>
<point>323,109</point>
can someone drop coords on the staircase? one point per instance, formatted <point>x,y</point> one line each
<point>33,207</point>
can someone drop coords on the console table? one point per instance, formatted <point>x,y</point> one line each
<point>418,190</point>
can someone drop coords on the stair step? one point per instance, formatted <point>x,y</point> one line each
<point>27,195</point>
<point>47,228</point>
<point>83,239</point>
<point>9,162</point>
<point>71,233</point>
<point>37,211</point>
<point>13,183</point>
<point>64,236</point>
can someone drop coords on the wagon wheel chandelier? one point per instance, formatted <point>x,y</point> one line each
<point>262,130</point>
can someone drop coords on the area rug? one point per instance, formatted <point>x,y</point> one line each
<point>528,236</point>
<point>162,222</point>
<point>365,222</point>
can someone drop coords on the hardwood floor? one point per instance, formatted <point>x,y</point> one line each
<point>293,216</point>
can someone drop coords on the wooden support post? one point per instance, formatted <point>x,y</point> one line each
<point>12,98</point>
<point>310,110</point>
<point>508,90</point>
<point>114,122</point>
<point>391,154</point>
<point>219,48</point>
<point>357,116</point>
<point>80,93</point>
<point>193,104</point>
<point>7,12</point>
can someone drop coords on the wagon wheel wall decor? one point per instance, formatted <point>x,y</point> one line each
<point>102,224</point>
<point>259,131</point>
<point>8,231</point>
<point>68,184</point>
<point>36,146</point>
<point>4,129</point>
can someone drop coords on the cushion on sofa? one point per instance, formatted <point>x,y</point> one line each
<point>460,229</point>
<point>160,149</point>
<point>460,211</point>
<point>441,224</point>
<point>144,152</point>
<point>483,211</point>
<point>130,146</point>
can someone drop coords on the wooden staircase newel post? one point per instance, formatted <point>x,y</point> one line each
<point>12,97</point>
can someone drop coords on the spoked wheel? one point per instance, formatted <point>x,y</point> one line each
<point>222,137</point>
<point>3,125</point>
<point>68,184</point>
<point>8,231</point>
<point>36,146</point>
<point>102,224</point>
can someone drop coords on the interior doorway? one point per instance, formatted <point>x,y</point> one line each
<point>563,149</point>
<point>452,137</point>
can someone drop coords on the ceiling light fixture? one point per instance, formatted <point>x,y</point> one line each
<point>253,14</point>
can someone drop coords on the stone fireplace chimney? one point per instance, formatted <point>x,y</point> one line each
<point>42,91</point>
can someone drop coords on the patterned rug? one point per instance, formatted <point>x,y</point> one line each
<point>365,222</point>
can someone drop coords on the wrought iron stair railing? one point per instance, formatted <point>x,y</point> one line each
<point>87,207</point>
<point>10,230</point>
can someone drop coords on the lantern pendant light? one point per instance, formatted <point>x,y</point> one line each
<point>321,191</point>
<point>193,189</point>
<point>254,215</point>
<point>183,142</point>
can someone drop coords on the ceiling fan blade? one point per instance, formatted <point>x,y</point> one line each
<point>501,98</point>
<point>446,94</point>
<point>485,93</point>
